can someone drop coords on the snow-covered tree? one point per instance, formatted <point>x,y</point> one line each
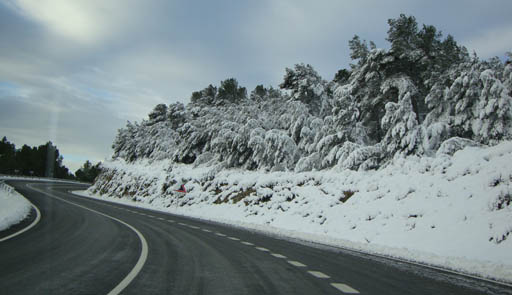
<point>259,93</point>
<point>158,114</point>
<point>402,34</point>
<point>280,150</point>
<point>230,91</point>
<point>359,105</point>
<point>400,121</point>
<point>205,96</point>
<point>493,113</point>
<point>308,87</point>
<point>176,114</point>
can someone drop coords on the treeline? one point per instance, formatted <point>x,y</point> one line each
<point>41,161</point>
<point>421,96</point>
<point>88,172</point>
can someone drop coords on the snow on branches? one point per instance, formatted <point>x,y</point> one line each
<point>407,100</point>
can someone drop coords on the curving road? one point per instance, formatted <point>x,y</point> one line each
<point>86,246</point>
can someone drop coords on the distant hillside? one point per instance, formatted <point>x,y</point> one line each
<point>407,100</point>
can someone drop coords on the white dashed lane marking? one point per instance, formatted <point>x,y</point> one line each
<point>318,274</point>
<point>341,287</point>
<point>278,255</point>
<point>345,288</point>
<point>296,263</point>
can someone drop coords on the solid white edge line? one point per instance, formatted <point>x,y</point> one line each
<point>38,217</point>
<point>144,250</point>
<point>138,266</point>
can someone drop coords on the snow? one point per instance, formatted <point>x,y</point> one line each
<point>451,211</point>
<point>13,207</point>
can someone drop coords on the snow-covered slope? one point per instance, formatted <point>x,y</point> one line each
<point>13,207</point>
<point>451,211</point>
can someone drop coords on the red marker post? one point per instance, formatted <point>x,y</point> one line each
<point>182,189</point>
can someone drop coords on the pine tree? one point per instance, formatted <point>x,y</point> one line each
<point>402,34</point>
<point>158,114</point>
<point>358,50</point>
<point>230,91</point>
<point>492,121</point>
<point>7,157</point>
<point>400,124</point>
<point>307,87</point>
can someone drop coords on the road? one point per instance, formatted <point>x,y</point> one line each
<point>86,246</point>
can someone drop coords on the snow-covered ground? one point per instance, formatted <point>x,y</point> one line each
<point>448,211</point>
<point>13,207</point>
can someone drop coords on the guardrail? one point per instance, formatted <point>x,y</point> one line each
<point>6,188</point>
<point>14,177</point>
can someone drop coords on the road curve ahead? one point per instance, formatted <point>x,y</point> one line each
<point>86,246</point>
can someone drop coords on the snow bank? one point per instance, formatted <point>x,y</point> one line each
<point>448,211</point>
<point>13,207</point>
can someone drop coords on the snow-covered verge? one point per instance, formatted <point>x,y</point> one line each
<point>448,211</point>
<point>13,207</point>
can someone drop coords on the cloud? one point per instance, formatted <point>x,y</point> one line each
<point>85,130</point>
<point>491,42</point>
<point>174,73</point>
<point>84,21</point>
<point>282,33</point>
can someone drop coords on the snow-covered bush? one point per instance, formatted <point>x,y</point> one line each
<point>454,144</point>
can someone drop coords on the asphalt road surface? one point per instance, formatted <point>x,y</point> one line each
<point>86,246</point>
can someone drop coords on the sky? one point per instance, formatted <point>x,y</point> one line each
<point>74,72</point>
